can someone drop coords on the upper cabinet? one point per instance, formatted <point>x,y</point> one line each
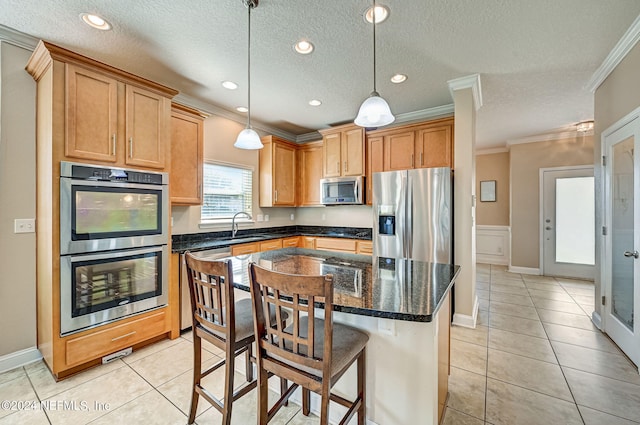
<point>427,144</point>
<point>185,177</point>
<point>101,114</point>
<point>343,151</point>
<point>309,174</point>
<point>277,173</point>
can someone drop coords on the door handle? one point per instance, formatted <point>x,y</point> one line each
<point>633,254</point>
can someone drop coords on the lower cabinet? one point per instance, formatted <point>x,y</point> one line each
<point>270,245</point>
<point>245,248</point>
<point>336,244</point>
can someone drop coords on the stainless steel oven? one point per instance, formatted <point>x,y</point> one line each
<point>104,208</point>
<point>101,287</point>
<point>114,235</point>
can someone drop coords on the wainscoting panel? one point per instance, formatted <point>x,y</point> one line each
<point>493,244</point>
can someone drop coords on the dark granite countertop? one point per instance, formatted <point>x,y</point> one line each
<point>214,240</point>
<point>400,289</point>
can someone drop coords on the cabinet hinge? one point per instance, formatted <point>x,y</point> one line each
<point>604,160</point>
<point>604,230</point>
<point>603,299</point>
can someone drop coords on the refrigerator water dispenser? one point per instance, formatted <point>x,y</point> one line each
<point>387,225</point>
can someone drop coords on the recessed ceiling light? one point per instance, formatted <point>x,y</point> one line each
<point>399,78</point>
<point>303,47</point>
<point>382,13</point>
<point>315,102</point>
<point>230,85</point>
<point>242,109</point>
<point>95,21</point>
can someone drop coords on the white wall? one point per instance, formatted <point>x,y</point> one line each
<point>17,200</point>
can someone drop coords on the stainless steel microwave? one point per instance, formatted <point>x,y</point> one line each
<point>342,191</point>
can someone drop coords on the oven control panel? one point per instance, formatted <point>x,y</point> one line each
<point>92,172</point>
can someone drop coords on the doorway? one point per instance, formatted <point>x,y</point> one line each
<point>567,229</point>
<point>621,213</point>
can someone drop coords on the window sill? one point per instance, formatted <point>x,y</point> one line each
<point>224,223</point>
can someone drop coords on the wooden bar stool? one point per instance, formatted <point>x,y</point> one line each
<point>225,323</point>
<point>311,352</point>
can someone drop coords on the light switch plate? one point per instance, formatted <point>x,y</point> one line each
<point>24,225</point>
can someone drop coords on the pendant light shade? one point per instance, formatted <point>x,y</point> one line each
<point>374,111</point>
<point>248,138</point>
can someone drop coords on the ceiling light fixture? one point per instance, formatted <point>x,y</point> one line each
<point>303,47</point>
<point>95,21</point>
<point>374,111</point>
<point>315,102</point>
<point>381,12</point>
<point>584,126</point>
<point>229,85</point>
<point>242,109</point>
<point>248,138</point>
<point>398,78</point>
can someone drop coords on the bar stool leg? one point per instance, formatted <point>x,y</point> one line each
<point>263,394</point>
<point>324,403</point>
<point>362,380</point>
<point>228,384</point>
<point>197,372</point>
<point>306,401</point>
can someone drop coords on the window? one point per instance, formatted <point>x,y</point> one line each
<point>227,190</point>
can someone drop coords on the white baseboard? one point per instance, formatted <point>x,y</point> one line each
<point>19,358</point>
<point>524,270</point>
<point>465,320</point>
<point>596,319</point>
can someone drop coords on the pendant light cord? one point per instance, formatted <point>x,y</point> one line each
<point>373,13</point>
<point>249,6</point>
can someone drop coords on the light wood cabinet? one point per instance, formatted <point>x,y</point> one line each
<point>185,178</point>
<point>343,151</point>
<point>309,174</point>
<point>336,244</point>
<point>427,144</point>
<point>277,172</point>
<point>364,247</point>
<point>245,248</point>
<point>291,242</point>
<point>108,120</point>
<point>85,111</point>
<point>308,242</point>
<point>375,162</point>
<point>270,245</point>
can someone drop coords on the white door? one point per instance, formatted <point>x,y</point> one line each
<point>621,266</point>
<point>568,222</point>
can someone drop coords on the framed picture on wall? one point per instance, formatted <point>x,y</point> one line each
<point>488,191</point>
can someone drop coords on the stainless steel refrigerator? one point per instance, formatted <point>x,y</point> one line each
<point>413,215</point>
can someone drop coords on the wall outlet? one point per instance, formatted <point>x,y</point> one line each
<point>260,217</point>
<point>24,225</point>
<point>266,217</point>
<point>292,217</point>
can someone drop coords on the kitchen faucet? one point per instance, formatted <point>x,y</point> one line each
<point>234,225</point>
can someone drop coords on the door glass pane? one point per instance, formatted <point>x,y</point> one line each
<point>622,232</point>
<point>575,209</point>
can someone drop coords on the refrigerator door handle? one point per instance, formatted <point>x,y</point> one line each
<point>408,237</point>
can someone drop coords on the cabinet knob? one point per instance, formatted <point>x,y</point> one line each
<point>345,167</point>
<point>113,144</point>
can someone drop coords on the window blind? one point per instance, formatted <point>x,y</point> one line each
<point>227,190</point>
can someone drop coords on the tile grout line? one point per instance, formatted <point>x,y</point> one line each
<point>36,393</point>
<point>561,370</point>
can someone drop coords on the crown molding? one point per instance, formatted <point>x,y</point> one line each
<point>490,151</point>
<point>221,112</point>
<point>549,137</point>
<point>619,52</point>
<point>469,82</point>
<point>311,136</point>
<point>17,38</point>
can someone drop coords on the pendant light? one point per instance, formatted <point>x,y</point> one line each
<point>248,138</point>
<point>374,111</point>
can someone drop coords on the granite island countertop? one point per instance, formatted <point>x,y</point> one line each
<point>392,288</point>
<point>214,240</point>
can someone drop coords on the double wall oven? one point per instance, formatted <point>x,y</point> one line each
<point>113,244</point>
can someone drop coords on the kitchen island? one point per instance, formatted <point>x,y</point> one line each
<point>404,305</point>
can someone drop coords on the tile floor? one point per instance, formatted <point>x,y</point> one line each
<point>535,358</point>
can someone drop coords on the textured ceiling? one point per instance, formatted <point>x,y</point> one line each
<point>534,57</point>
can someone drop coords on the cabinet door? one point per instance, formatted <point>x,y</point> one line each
<point>186,159</point>
<point>308,242</point>
<point>331,149</point>
<point>352,151</point>
<point>399,151</point>
<point>146,133</point>
<point>92,109</point>
<point>434,145</point>
<point>284,172</point>
<point>310,167</point>
<point>375,159</point>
